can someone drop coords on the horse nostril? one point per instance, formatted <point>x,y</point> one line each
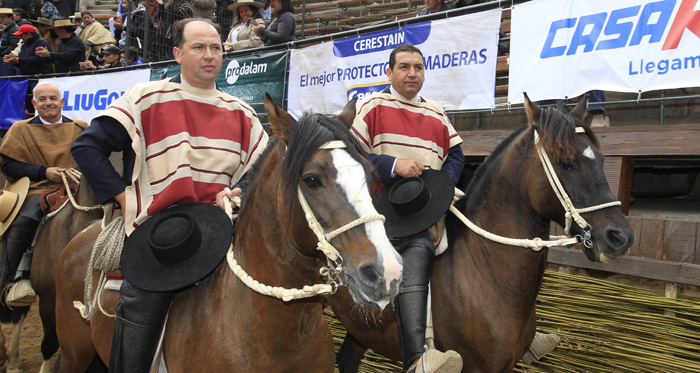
<point>616,239</point>
<point>369,274</point>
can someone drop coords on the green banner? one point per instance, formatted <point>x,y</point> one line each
<point>247,77</point>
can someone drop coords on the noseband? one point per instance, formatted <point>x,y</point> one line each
<point>334,269</point>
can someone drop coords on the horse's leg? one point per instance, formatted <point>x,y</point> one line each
<point>350,355</point>
<point>13,363</point>
<point>49,344</point>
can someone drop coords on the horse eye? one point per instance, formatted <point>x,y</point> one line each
<point>312,181</point>
<point>566,164</point>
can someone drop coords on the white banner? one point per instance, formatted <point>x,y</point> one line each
<point>459,55</point>
<point>86,96</point>
<point>563,49</point>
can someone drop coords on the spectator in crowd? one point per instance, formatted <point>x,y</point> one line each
<point>168,12</point>
<point>242,35</point>
<point>283,28</point>
<point>202,9</point>
<point>94,35</point>
<point>267,13</point>
<point>224,16</point>
<point>25,5</point>
<point>20,17</point>
<point>77,20</point>
<point>70,51</point>
<point>463,3</point>
<point>27,61</point>
<point>111,55</point>
<point>45,29</point>
<point>133,59</point>
<point>49,11</point>
<point>8,41</point>
<point>433,6</point>
<point>121,10</point>
<point>65,8</point>
<point>37,148</point>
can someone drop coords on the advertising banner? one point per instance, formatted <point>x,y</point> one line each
<point>86,96</point>
<point>12,95</point>
<point>563,49</point>
<point>247,77</point>
<point>459,54</point>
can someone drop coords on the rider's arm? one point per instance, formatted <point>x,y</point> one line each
<point>16,169</point>
<point>384,165</point>
<point>454,163</point>
<point>92,149</point>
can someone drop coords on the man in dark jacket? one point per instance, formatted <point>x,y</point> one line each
<point>70,51</point>
<point>27,61</point>
<point>8,41</point>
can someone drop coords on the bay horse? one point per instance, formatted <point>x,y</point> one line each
<point>484,292</point>
<point>53,235</point>
<point>222,325</point>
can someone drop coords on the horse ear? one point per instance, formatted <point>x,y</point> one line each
<point>581,108</point>
<point>532,111</point>
<point>281,122</point>
<point>348,114</point>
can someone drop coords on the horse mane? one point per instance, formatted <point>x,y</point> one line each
<point>558,137</point>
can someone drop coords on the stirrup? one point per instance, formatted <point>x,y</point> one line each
<point>434,361</point>
<point>540,346</point>
<point>20,294</point>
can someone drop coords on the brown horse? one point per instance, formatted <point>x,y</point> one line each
<point>483,292</point>
<point>220,324</point>
<point>52,237</point>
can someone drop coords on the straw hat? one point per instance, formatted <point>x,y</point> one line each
<point>7,11</point>
<point>11,199</point>
<point>63,23</point>
<point>43,21</point>
<point>234,7</point>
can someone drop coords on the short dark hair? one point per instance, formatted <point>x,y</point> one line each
<point>86,11</point>
<point>179,29</point>
<point>402,48</point>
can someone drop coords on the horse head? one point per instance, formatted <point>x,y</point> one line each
<point>323,167</point>
<point>572,150</point>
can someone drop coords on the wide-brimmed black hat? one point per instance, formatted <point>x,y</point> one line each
<point>176,247</point>
<point>413,204</point>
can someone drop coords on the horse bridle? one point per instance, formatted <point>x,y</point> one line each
<point>572,213</point>
<point>334,259</point>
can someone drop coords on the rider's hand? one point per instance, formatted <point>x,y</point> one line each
<point>53,174</point>
<point>236,192</point>
<point>408,167</point>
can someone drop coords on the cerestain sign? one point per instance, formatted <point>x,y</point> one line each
<point>459,55</point>
<point>622,45</point>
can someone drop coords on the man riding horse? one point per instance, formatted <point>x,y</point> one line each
<point>37,148</point>
<point>183,141</point>
<point>405,134</point>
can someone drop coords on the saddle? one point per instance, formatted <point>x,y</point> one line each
<point>54,199</point>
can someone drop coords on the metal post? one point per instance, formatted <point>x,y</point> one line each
<point>303,17</point>
<point>147,27</point>
<point>127,52</point>
<point>661,108</point>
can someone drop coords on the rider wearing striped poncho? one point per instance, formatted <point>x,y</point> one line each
<point>183,141</point>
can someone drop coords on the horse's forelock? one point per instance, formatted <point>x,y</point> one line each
<point>557,131</point>
<point>312,131</point>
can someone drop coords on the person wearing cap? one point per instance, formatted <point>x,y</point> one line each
<point>112,58</point>
<point>94,35</point>
<point>405,134</point>
<point>37,148</point>
<point>28,62</point>
<point>241,35</point>
<point>8,40</point>
<point>70,51</point>
<point>210,141</point>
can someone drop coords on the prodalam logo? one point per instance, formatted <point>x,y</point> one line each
<point>235,70</point>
